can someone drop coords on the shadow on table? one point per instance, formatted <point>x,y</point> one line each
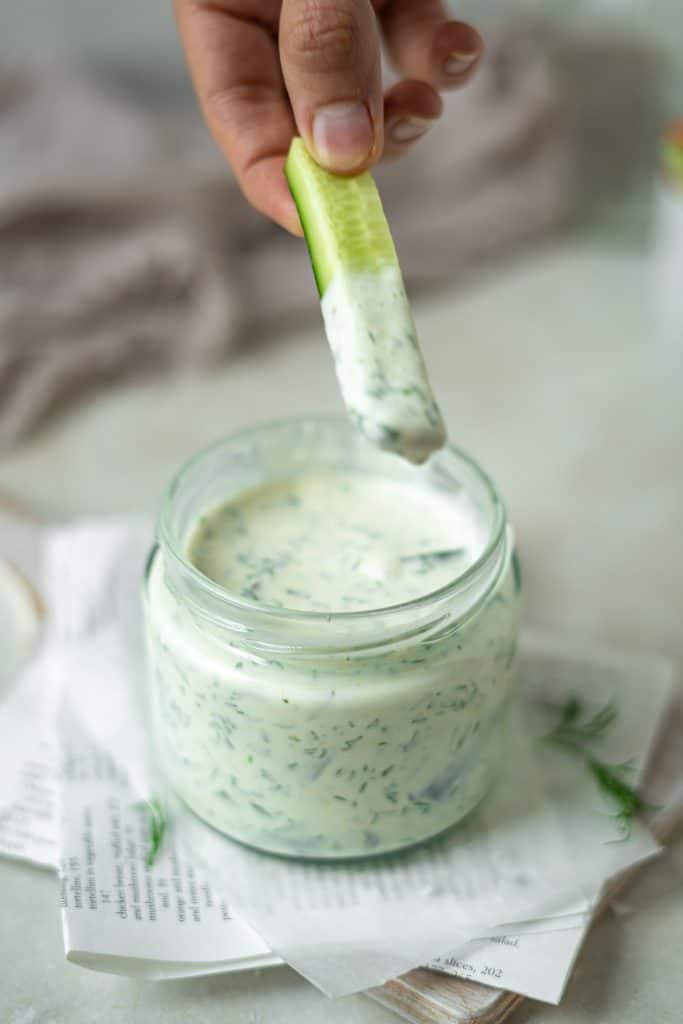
<point>621,968</point>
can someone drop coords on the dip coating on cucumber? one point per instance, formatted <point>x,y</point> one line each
<point>369,326</point>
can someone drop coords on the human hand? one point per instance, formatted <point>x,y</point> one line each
<point>266,70</point>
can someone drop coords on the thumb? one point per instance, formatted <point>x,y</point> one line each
<point>329,51</point>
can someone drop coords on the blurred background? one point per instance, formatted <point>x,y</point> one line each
<point>145,309</point>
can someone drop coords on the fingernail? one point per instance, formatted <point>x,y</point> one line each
<point>456,63</point>
<point>342,135</point>
<point>410,128</point>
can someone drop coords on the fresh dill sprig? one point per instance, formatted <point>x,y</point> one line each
<point>611,781</point>
<point>576,727</point>
<point>157,828</point>
<point>576,730</point>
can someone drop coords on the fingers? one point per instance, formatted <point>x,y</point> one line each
<point>329,50</point>
<point>325,82</point>
<point>235,67</point>
<point>410,110</point>
<point>424,44</point>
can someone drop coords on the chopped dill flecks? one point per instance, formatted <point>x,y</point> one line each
<point>429,557</point>
<point>516,572</point>
<point>260,808</point>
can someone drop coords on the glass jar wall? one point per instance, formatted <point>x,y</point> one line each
<point>331,733</point>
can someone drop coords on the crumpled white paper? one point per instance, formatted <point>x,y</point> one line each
<point>534,857</point>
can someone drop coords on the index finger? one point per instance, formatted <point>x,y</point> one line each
<point>232,54</point>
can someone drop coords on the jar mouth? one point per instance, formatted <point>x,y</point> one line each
<point>305,440</point>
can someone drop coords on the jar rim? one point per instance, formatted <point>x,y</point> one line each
<point>235,604</point>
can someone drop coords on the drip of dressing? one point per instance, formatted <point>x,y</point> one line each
<point>380,369</point>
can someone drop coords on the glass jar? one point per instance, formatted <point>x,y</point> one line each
<point>328,735</point>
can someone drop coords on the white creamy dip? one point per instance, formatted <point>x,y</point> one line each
<point>318,752</point>
<point>335,541</point>
<point>379,365</point>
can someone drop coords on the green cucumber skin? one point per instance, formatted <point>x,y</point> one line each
<point>297,187</point>
<point>357,238</point>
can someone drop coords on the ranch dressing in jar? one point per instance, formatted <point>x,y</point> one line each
<point>331,638</point>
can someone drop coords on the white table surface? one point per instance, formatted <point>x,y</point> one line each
<point>551,372</point>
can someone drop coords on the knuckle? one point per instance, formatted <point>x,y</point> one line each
<point>236,103</point>
<point>323,37</point>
